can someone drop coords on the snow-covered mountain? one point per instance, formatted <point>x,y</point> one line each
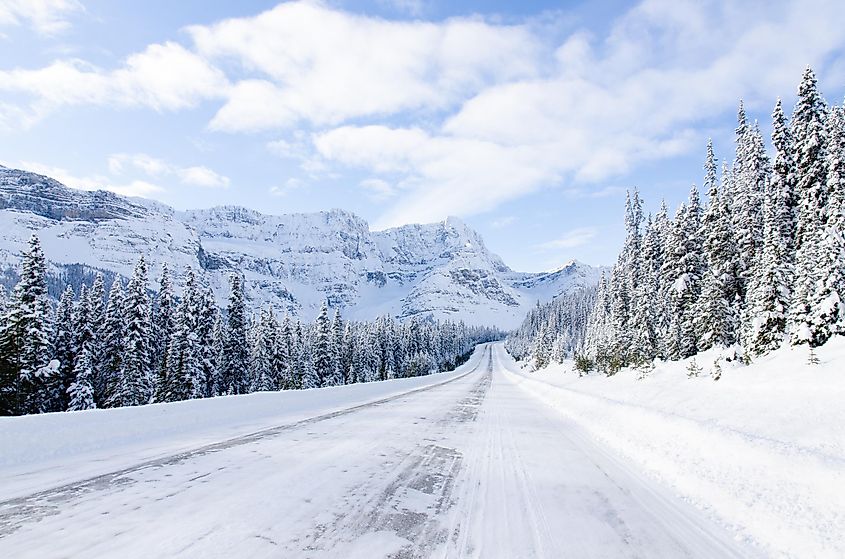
<point>290,261</point>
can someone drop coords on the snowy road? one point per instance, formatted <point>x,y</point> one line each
<point>475,467</point>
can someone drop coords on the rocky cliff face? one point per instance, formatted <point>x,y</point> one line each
<point>292,262</point>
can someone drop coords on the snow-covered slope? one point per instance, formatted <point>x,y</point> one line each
<point>761,450</point>
<point>290,261</point>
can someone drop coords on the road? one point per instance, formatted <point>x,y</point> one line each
<point>471,468</point>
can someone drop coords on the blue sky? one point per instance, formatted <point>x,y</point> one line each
<point>527,119</point>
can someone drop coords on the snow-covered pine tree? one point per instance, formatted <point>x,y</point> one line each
<point>747,183</point>
<point>83,333</point>
<point>323,361</point>
<point>770,287</point>
<point>164,325</point>
<point>808,133</point>
<point>27,376</point>
<point>64,347</point>
<point>136,386</point>
<point>827,299</point>
<point>97,307</point>
<point>264,348</point>
<point>235,379</point>
<point>304,374</point>
<point>109,360</point>
<point>216,357</point>
<point>80,392</point>
<point>716,321</point>
<point>183,374</point>
<point>645,298</point>
<point>338,374</point>
<point>284,355</point>
<point>348,355</point>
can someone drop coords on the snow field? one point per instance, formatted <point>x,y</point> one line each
<point>761,451</point>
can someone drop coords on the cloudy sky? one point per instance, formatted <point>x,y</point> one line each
<point>527,119</point>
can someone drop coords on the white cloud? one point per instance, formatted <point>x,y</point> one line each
<point>459,116</point>
<point>443,175</point>
<point>141,161</point>
<point>47,17</point>
<point>162,77</point>
<point>140,188</point>
<point>154,167</point>
<point>202,176</point>
<point>610,104</point>
<point>67,178</point>
<point>311,63</point>
<point>289,186</point>
<point>570,239</point>
<point>378,189</point>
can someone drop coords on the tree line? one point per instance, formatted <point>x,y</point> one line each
<point>128,347</point>
<point>760,263</point>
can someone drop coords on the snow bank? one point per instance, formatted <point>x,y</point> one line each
<point>42,451</point>
<point>762,450</point>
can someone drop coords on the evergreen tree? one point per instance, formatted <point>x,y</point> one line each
<point>338,374</point>
<point>827,298</point>
<point>217,359</point>
<point>164,325</point>
<point>323,361</point>
<point>109,361</point>
<point>808,133</point>
<point>302,375</point>
<point>771,286</point>
<point>716,321</point>
<point>136,378</point>
<point>209,343</point>
<point>184,376</point>
<point>235,379</point>
<point>263,354</point>
<point>64,340</point>
<point>284,355</point>
<point>27,375</point>
<point>836,209</point>
<point>80,391</point>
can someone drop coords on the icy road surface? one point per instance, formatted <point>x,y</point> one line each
<point>474,467</point>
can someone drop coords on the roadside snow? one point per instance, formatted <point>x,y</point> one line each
<point>762,450</point>
<point>42,451</point>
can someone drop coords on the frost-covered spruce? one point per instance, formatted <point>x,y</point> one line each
<point>183,374</point>
<point>164,320</point>
<point>264,344</point>
<point>235,379</point>
<point>109,359</point>
<point>323,362</point>
<point>136,378</point>
<point>716,320</point>
<point>338,374</point>
<point>80,392</point>
<point>808,132</point>
<point>827,301</point>
<point>27,377</point>
<point>63,342</point>
<point>770,289</point>
<point>283,355</point>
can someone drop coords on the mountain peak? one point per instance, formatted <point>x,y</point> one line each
<point>292,262</point>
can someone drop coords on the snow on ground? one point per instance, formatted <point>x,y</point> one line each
<point>472,467</point>
<point>762,450</point>
<point>40,451</point>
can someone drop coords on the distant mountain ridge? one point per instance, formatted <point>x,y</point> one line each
<point>291,261</point>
